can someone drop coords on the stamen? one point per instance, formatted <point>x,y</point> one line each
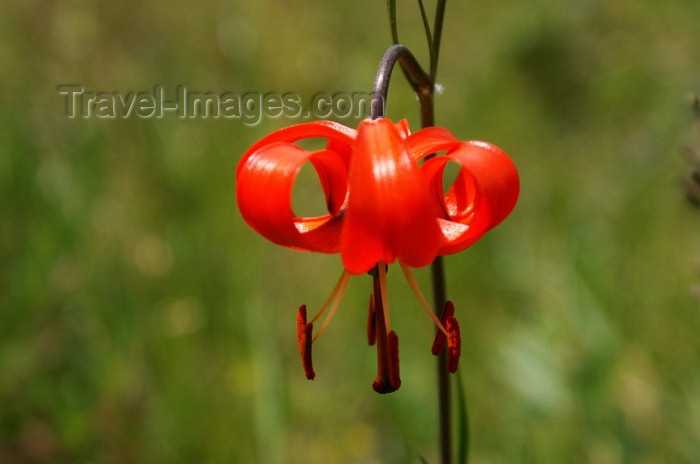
<point>345,275</point>
<point>338,292</point>
<point>371,322</point>
<point>440,338</point>
<point>304,332</point>
<point>383,294</point>
<point>387,342</point>
<point>454,344</point>
<point>421,298</point>
<point>393,345</point>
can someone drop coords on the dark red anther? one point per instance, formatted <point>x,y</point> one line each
<point>448,310</point>
<point>388,378</point>
<point>454,344</point>
<point>393,346</point>
<point>387,343</point>
<point>371,323</point>
<point>301,325</point>
<point>380,386</point>
<point>305,338</point>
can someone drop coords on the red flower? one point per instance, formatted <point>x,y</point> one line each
<point>383,206</point>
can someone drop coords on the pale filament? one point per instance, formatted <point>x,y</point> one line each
<point>335,297</point>
<point>421,298</point>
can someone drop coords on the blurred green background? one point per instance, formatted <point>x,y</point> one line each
<point>141,321</point>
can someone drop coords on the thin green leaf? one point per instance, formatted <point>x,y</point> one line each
<point>391,5</point>
<point>431,44</point>
<point>462,423</point>
<point>422,459</point>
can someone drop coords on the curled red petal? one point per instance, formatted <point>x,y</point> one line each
<point>430,140</point>
<point>342,148</point>
<point>390,213</point>
<point>403,129</point>
<point>333,178</point>
<point>483,194</point>
<point>340,138</point>
<point>264,190</point>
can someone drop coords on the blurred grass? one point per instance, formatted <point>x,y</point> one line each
<point>142,321</point>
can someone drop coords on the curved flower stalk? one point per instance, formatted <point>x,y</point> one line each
<point>385,203</point>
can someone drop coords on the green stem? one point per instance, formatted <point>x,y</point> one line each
<point>437,270</point>
<point>437,36</point>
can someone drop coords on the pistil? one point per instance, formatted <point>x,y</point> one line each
<point>388,379</point>
<point>371,322</point>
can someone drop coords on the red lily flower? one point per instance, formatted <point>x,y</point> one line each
<point>383,206</point>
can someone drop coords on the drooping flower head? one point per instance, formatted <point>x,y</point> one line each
<point>386,203</point>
